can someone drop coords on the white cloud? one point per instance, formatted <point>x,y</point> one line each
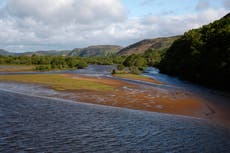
<point>168,25</point>
<point>65,24</point>
<point>59,11</point>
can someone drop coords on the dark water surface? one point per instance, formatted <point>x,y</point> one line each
<point>34,124</point>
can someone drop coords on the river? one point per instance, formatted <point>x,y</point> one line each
<point>33,122</point>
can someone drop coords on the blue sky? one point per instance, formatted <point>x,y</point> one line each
<point>2,3</point>
<point>29,25</point>
<point>138,8</point>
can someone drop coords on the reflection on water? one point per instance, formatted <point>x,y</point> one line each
<point>154,72</point>
<point>46,125</point>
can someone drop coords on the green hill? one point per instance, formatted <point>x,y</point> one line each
<point>98,50</point>
<point>154,44</point>
<point>45,53</point>
<point>202,55</point>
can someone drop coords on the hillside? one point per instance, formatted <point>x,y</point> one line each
<point>99,50</point>
<point>142,46</point>
<point>202,55</point>
<point>46,53</point>
<point>5,53</point>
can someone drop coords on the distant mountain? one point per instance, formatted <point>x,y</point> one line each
<point>98,50</point>
<point>45,53</point>
<point>142,46</point>
<point>5,52</point>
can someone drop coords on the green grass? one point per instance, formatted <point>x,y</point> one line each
<point>58,81</point>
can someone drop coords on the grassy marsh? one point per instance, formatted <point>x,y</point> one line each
<point>58,81</point>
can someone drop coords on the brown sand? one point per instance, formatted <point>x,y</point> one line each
<point>141,97</point>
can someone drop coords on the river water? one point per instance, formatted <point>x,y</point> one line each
<point>34,124</point>
<point>31,122</point>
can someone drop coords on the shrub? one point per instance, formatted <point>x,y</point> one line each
<point>43,67</point>
<point>120,67</point>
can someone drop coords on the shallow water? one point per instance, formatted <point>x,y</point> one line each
<point>34,124</point>
<point>97,70</point>
<point>214,97</point>
<point>91,70</point>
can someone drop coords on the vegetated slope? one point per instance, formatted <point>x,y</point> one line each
<point>202,55</point>
<point>98,50</point>
<point>142,46</point>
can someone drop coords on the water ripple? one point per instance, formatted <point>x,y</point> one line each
<point>30,124</point>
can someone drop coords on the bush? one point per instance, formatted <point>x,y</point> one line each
<point>114,71</point>
<point>43,67</point>
<point>81,64</point>
<point>135,70</point>
<point>120,67</point>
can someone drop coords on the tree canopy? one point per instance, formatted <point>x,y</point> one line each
<point>201,55</point>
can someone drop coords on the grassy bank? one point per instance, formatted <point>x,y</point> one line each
<point>58,81</point>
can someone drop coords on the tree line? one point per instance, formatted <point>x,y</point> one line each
<point>134,63</point>
<point>44,63</point>
<point>201,55</point>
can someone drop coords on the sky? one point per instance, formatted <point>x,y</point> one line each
<point>30,25</point>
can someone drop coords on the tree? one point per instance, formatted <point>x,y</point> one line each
<point>201,55</point>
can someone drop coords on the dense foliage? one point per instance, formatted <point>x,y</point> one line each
<point>138,62</point>
<point>60,62</point>
<point>135,63</point>
<point>201,55</point>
